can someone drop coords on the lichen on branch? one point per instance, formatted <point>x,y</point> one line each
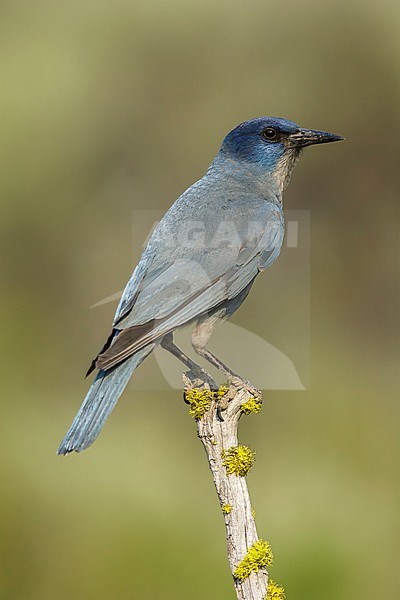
<point>238,460</point>
<point>253,405</point>
<point>275,591</point>
<point>217,415</point>
<point>226,509</point>
<point>259,556</point>
<point>200,400</point>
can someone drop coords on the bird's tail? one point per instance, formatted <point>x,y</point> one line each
<point>99,402</point>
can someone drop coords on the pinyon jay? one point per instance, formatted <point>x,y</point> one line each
<point>199,263</point>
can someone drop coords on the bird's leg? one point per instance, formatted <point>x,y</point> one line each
<point>200,338</point>
<point>200,374</point>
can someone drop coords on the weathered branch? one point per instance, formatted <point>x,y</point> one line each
<point>229,462</point>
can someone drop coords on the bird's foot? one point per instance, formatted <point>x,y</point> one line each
<point>222,404</point>
<point>236,383</point>
<point>199,379</point>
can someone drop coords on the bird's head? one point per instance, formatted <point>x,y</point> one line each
<point>270,146</point>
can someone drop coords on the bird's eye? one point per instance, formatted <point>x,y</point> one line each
<point>270,134</point>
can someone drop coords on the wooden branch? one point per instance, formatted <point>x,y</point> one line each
<point>229,462</point>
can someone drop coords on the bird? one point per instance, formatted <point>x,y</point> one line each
<point>199,264</point>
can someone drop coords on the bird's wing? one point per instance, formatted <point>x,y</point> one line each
<point>128,298</point>
<point>162,299</point>
<point>134,285</point>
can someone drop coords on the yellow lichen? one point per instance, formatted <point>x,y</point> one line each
<point>275,591</point>
<point>226,509</point>
<point>238,460</point>
<point>221,392</point>
<point>252,405</point>
<point>259,556</point>
<point>200,400</point>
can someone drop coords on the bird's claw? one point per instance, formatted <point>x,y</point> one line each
<point>237,383</point>
<point>199,380</point>
<point>222,404</point>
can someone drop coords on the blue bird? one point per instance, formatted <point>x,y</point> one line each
<point>200,263</point>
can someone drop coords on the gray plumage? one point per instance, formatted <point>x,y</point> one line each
<point>200,262</point>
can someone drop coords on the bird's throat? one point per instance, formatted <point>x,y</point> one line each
<point>284,168</point>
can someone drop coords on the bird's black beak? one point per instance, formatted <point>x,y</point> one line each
<point>307,137</point>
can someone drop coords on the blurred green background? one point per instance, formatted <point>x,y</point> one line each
<point>107,107</point>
